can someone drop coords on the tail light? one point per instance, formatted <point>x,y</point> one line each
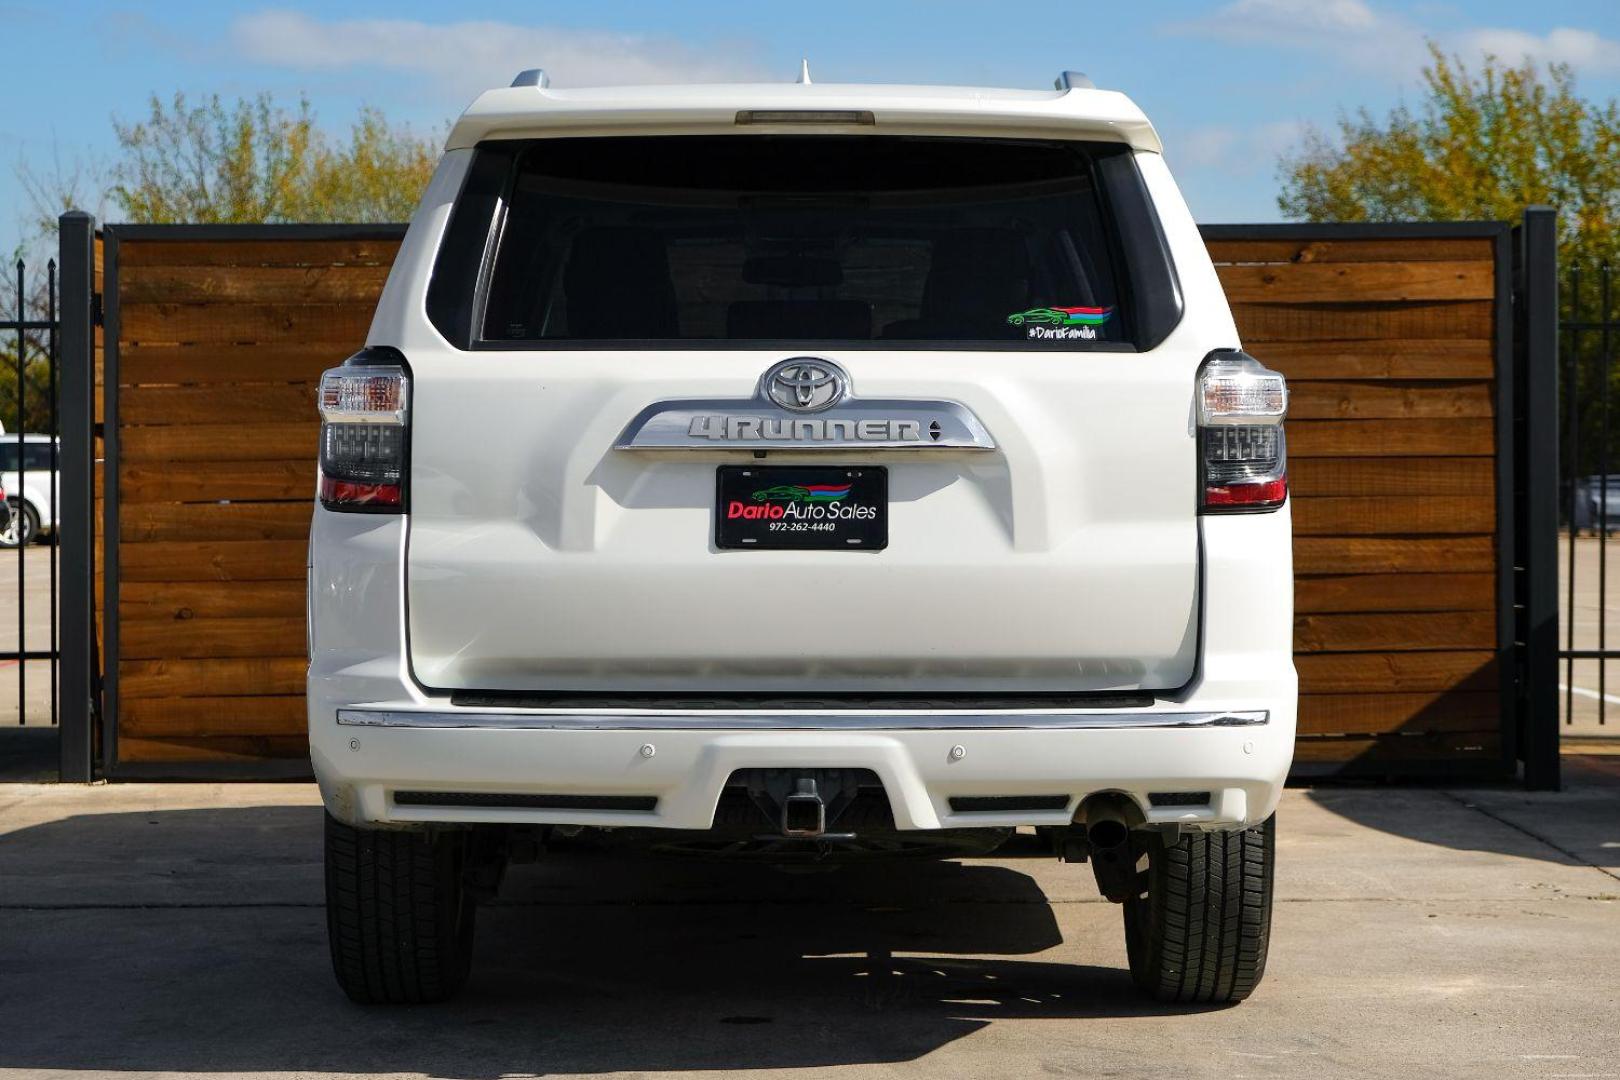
<point>365,418</point>
<point>1242,451</point>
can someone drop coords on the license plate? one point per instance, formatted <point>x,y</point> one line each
<point>791,506</point>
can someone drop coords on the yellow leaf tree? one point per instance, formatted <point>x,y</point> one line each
<point>1483,145</point>
<point>254,161</point>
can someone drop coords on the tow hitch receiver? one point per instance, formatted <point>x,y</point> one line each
<point>803,803</point>
<point>803,812</point>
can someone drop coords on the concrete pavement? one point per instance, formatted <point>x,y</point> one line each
<point>179,930</point>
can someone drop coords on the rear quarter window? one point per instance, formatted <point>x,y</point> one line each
<point>747,240</point>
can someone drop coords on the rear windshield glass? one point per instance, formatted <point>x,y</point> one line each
<point>790,239</point>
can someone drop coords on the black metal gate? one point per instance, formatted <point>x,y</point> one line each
<point>29,479</point>
<point>1589,490</point>
<point>47,459</point>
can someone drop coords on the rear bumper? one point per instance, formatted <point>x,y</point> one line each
<point>375,732</point>
<point>679,763</point>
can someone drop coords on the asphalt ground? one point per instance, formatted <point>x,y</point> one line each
<point>179,930</point>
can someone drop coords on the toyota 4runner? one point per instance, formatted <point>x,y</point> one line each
<point>808,471</point>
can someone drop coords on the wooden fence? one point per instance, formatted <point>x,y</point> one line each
<point>1393,340</point>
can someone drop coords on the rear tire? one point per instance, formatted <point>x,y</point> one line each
<point>399,917</point>
<point>21,528</point>
<point>1200,929</point>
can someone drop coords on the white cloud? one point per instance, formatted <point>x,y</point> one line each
<point>1239,151</point>
<point>1358,35</point>
<point>467,57</point>
<point>1350,31</point>
<point>1583,50</point>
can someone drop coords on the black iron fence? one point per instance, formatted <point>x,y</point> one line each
<point>1589,487</point>
<point>30,478</point>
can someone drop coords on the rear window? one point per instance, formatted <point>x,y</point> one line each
<point>889,241</point>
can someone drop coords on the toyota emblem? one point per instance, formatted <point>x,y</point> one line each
<point>805,384</point>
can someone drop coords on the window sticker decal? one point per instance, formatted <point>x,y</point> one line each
<point>1061,323</point>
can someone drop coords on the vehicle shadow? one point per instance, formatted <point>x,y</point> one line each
<point>590,962</point>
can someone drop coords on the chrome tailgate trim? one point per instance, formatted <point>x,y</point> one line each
<point>795,720</point>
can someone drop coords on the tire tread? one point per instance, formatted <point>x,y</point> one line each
<point>1200,934</point>
<point>399,920</point>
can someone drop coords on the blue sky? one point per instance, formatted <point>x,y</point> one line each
<point>1230,83</point>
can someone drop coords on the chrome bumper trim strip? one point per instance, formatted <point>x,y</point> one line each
<point>700,720</point>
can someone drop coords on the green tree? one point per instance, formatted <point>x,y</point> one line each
<point>255,161</point>
<point>1483,145</point>
<point>32,306</point>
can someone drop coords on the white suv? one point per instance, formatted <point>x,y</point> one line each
<point>807,471</point>
<point>30,491</point>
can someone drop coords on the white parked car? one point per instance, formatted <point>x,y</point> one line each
<point>31,491</point>
<point>805,471</point>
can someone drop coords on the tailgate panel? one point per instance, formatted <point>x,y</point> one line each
<point>540,558</point>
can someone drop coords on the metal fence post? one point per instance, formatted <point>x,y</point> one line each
<point>76,516</point>
<point>1537,546</point>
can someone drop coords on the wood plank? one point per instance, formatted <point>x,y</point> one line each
<point>1411,515</point>
<point>1358,673</point>
<point>1368,555</point>
<point>1394,592</point>
<point>213,560</point>
<point>266,403</point>
<point>218,749</point>
<point>197,716</point>
<point>358,252</point>
<point>1388,399</point>
<point>208,639</point>
<point>1391,476</point>
<point>1395,632</point>
<point>163,521</point>
<point>1389,755</point>
<point>344,325</point>
<point>231,364</point>
<point>1388,249</point>
<point>1391,438</point>
<point>210,481</point>
<point>256,284</point>
<point>251,677</point>
<point>1333,322</point>
<point>1414,358</point>
<point>1356,282</point>
<point>1380,714</point>
<point>171,600</point>
<point>225,442</point>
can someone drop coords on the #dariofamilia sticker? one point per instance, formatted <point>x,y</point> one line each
<point>1061,323</point>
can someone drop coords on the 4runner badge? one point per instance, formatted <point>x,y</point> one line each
<point>775,417</point>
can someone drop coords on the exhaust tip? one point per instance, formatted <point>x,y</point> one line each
<point>1107,833</point>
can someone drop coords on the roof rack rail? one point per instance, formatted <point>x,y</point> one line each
<point>1073,80</point>
<point>532,77</point>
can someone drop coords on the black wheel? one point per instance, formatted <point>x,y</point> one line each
<point>399,916</point>
<point>22,527</point>
<point>1199,930</point>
